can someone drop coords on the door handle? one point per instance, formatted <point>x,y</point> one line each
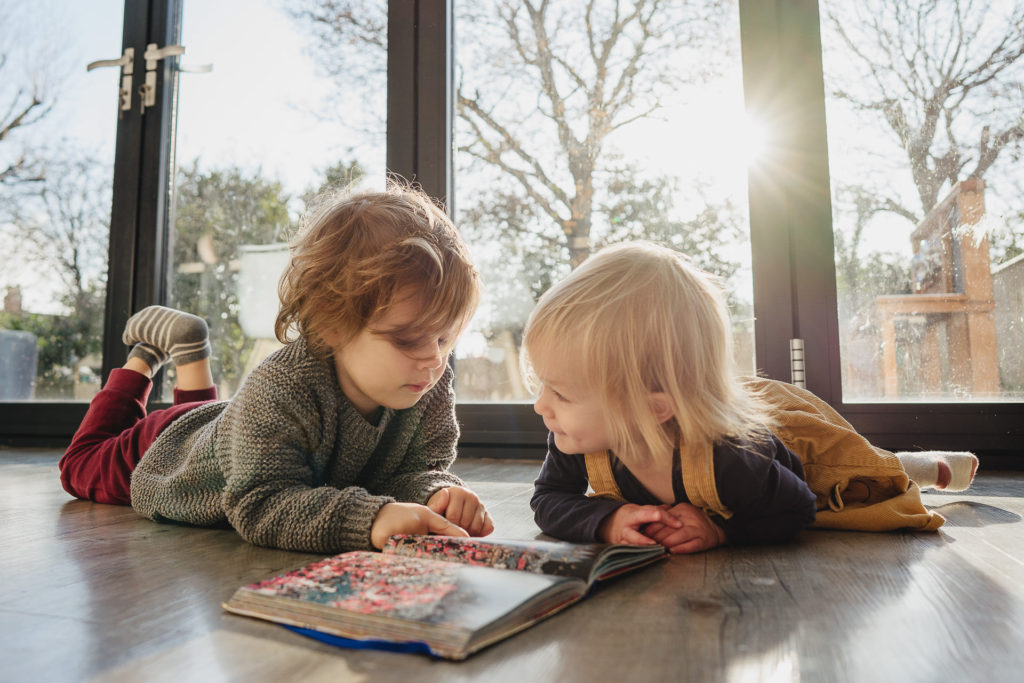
<point>127,63</point>
<point>152,55</point>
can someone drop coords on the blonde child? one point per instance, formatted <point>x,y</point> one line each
<point>632,357</point>
<point>334,442</point>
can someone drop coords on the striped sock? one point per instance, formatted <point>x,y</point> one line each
<point>159,333</point>
<point>151,356</point>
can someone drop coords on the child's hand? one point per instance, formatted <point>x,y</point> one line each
<point>694,533</point>
<point>623,525</point>
<point>409,518</point>
<point>463,507</point>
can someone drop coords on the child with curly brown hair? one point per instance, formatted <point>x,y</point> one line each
<point>336,441</point>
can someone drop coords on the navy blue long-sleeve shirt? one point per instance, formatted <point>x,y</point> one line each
<point>763,485</point>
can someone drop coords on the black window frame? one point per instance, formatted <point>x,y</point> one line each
<point>791,226</point>
<point>782,66</point>
<point>136,267</point>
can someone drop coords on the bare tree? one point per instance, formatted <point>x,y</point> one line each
<point>24,107</point>
<point>1007,242</point>
<point>570,76</point>
<point>544,94</point>
<point>62,229</point>
<point>542,85</point>
<point>945,78</point>
<point>25,99</point>
<point>56,237</point>
<point>349,39</point>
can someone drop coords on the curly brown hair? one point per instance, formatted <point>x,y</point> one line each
<point>357,252</point>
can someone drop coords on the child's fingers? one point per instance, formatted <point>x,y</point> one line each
<point>659,515</point>
<point>436,524</point>
<point>649,515</point>
<point>472,518</point>
<point>479,522</point>
<point>634,537</point>
<point>673,537</point>
<point>659,532</point>
<point>439,501</point>
<point>466,510</point>
<point>483,522</point>
<point>488,527</point>
<point>692,539</point>
<point>684,513</point>
<point>457,509</point>
<point>694,545</point>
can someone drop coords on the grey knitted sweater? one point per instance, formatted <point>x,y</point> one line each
<point>290,463</point>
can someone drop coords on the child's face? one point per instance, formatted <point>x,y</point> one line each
<point>377,368</point>
<point>572,414</point>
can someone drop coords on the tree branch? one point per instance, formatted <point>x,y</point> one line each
<point>510,143</point>
<point>21,119</point>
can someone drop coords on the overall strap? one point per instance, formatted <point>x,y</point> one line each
<point>698,478</point>
<point>599,473</point>
<point>698,468</point>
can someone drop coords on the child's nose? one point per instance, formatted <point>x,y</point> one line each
<point>433,360</point>
<point>540,406</point>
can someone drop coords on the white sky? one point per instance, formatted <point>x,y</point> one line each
<point>258,107</point>
<point>255,109</point>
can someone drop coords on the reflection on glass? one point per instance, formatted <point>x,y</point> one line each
<point>274,121</point>
<point>57,128</point>
<point>924,118</point>
<point>584,124</point>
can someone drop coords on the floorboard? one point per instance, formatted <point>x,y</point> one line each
<point>96,593</point>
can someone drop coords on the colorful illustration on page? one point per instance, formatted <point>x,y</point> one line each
<point>369,583</point>
<point>539,557</point>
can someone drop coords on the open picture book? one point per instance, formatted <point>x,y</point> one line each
<point>441,595</point>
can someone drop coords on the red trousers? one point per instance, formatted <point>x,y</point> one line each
<point>115,434</point>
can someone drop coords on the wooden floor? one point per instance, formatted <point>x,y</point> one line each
<point>95,592</point>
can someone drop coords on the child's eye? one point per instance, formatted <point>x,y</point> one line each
<point>423,346</point>
<point>407,344</point>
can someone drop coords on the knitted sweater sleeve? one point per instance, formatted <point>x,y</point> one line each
<point>276,437</point>
<point>432,450</point>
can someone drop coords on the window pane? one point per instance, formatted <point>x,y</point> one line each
<point>924,118</point>
<point>575,130</point>
<point>270,124</point>
<point>57,130</point>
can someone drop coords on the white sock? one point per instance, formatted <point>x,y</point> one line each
<point>923,468</point>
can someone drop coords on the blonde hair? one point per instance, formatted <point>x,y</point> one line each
<point>637,318</point>
<point>356,253</point>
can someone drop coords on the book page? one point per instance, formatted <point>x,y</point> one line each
<point>539,557</point>
<point>362,587</point>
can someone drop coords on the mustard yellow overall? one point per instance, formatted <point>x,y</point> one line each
<point>858,486</point>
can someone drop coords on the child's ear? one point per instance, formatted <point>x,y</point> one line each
<point>661,406</point>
